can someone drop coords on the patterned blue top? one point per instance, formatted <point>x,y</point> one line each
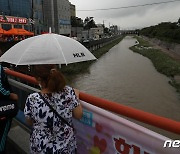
<point>49,134</point>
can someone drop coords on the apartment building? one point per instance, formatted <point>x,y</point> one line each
<point>73,10</point>
<point>38,25</point>
<point>64,17</point>
<point>57,15</point>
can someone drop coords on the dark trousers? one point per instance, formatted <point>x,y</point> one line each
<point>4,129</point>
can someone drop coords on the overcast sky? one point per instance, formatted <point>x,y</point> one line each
<point>136,17</point>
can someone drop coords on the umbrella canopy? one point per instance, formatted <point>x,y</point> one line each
<point>18,31</point>
<point>47,49</point>
<point>2,31</point>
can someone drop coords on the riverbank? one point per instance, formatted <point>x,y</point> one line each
<point>163,62</point>
<point>76,68</point>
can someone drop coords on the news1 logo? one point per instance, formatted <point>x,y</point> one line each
<point>172,144</point>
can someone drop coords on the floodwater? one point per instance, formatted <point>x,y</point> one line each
<point>130,79</point>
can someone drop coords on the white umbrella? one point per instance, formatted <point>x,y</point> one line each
<point>47,49</point>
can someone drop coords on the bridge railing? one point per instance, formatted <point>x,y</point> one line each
<point>145,117</point>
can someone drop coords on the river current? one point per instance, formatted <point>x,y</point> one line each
<point>130,79</point>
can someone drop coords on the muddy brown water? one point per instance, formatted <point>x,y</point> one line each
<point>130,79</point>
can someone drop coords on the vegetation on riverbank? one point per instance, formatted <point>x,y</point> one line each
<point>165,31</point>
<point>162,62</point>
<point>76,68</point>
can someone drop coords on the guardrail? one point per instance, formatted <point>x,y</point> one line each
<point>96,44</point>
<point>145,117</point>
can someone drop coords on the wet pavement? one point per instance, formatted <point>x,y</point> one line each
<point>11,148</point>
<point>18,140</point>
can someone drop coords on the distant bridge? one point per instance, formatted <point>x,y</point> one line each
<point>129,32</point>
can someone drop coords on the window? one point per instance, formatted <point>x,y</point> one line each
<point>6,26</point>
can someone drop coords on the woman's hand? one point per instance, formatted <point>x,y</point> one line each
<point>13,96</point>
<point>78,112</point>
<point>77,93</point>
<point>29,121</point>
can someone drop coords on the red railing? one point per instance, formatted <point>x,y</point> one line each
<point>154,120</point>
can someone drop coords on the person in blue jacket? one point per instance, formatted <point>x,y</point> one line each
<point>5,93</point>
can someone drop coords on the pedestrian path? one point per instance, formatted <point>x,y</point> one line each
<point>18,139</point>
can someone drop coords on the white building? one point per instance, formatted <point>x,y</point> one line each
<point>93,33</point>
<point>96,33</point>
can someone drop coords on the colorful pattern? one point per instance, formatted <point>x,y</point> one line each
<point>102,132</point>
<point>50,135</point>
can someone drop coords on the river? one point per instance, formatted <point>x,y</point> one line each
<point>130,79</point>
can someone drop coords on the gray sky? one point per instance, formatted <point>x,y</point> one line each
<point>130,17</point>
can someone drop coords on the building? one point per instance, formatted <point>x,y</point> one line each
<point>114,29</point>
<point>12,22</point>
<point>38,25</point>
<point>57,15</point>
<point>77,32</point>
<point>64,17</point>
<point>29,9</point>
<point>48,12</point>
<point>73,10</point>
<point>15,13</point>
<point>98,32</point>
<point>18,8</point>
<point>76,24</point>
<point>93,33</point>
<point>41,14</point>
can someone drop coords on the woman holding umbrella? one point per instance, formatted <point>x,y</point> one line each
<point>50,113</point>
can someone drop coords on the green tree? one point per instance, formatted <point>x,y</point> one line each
<point>76,22</point>
<point>89,23</point>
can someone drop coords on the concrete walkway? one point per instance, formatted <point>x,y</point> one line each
<point>18,139</point>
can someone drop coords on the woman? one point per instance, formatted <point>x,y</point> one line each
<point>50,135</point>
<point>5,94</point>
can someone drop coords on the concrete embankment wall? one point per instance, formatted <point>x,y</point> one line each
<point>174,47</point>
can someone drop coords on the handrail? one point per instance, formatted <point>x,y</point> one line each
<point>22,76</point>
<point>152,119</point>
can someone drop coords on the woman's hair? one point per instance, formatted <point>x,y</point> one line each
<point>52,78</point>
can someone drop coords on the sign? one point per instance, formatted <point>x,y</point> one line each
<point>102,132</point>
<point>64,22</point>
<point>78,55</point>
<point>13,20</point>
<point>172,144</point>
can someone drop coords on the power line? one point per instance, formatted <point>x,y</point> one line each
<point>133,6</point>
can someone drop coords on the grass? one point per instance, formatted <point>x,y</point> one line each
<point>162,62</point>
